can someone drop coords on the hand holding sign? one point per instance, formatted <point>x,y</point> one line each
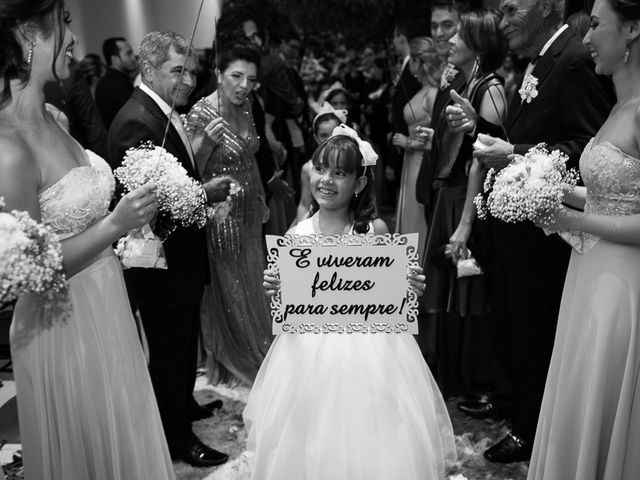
<point>417,281</point>
<point>270,283</point>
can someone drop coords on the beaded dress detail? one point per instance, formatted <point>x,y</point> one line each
<point>589,425</point>
<point>86,405</point>
<point>236,322</point>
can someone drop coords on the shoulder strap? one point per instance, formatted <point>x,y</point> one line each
<point>479,89</point>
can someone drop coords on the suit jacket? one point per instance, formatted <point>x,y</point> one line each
<point>571,106</point>
<point>404,91</point>
<point>182,284</point>
<point>112,92</point>
<point>424,182</point>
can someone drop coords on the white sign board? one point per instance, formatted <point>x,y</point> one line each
<point>343,283</point>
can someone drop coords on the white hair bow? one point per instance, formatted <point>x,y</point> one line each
<point>369,156</point>
<point>327,108</point>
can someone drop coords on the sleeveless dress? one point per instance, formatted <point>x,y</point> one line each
<point>458,308</point>
<point>589,425</point>
<point>236,326</point>
<point>410,216</point>
<point>85,403</point>
<point>346,407</point>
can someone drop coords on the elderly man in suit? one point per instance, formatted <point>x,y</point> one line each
<point>169,300</point>
<point>527,268</point>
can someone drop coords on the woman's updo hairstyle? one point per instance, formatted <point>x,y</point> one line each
<point>424,49</point>
<point>480,31</point>
<point>627,10</point>
<point>19,18</point>
<point>232,47</point>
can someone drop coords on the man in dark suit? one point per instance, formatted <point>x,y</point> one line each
<point>115,87</point>
<point>527,268</point>
<point>72,97</point>
<point>405,86</point>
<point>169,300</point>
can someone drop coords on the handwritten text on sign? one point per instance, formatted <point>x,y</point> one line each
<point>343,283</point>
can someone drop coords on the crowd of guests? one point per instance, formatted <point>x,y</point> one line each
<point>541,336</point>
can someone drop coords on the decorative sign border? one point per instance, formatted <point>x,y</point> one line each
<point>345,240</point>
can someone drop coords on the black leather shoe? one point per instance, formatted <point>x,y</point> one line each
<point>199,412</point>
<point>510,449</point>
<point>199,455</point>
<point>480,410</point>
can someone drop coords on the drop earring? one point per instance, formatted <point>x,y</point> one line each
<point>30,56</point>
<point>626,54</point>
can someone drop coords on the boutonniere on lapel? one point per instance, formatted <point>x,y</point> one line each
<point>183,119</point>
<point>528,91</point>
<point>448,75</point>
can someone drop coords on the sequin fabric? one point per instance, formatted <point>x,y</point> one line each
<point>236,158</point>
<point>612,178</point>
<point>79,198</point>
<point>236,323</point>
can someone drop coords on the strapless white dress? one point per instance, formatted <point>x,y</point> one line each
<point>85,402</point>
<point>347,407</point>
<point>589,425</point>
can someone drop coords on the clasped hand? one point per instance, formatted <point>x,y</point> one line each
<point>217,189</point>
<point>494,152</point>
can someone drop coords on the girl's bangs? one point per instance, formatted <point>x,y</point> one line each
<point>340,151</point>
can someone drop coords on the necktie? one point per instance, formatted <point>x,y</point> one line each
<point>177,123</point>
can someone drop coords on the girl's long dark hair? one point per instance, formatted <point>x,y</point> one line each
<point>344,151</point>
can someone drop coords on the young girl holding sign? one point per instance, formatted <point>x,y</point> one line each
<point>340,406</point>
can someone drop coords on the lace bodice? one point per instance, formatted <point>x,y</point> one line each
<point>79,198</point>
<point>612,178</point>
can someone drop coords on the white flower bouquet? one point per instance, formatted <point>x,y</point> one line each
<point>30,257</point>
<point>531,187</point>
<point>181,201</point>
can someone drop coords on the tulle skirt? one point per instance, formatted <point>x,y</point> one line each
<point>347,407</point>
<point>589,426</point>
<point>85,402</point>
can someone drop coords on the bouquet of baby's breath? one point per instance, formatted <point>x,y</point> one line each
<point>531,187</point>
<point>30,257</point>
<point>181,201</point>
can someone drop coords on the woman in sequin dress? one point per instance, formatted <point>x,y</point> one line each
<point>236,323</point>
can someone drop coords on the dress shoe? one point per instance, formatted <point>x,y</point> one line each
<point>480,410</point>
<point>199,455</point>
<point>199,412</point>
<point>510,449</point>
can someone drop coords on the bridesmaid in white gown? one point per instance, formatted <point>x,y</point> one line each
<point>426,66</point>
<point>589,426</point>
<point>85,402</point>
